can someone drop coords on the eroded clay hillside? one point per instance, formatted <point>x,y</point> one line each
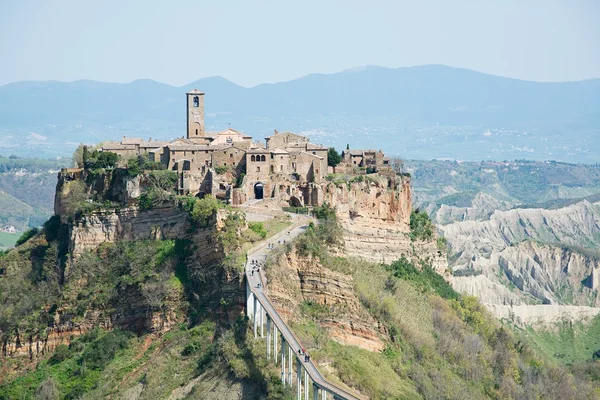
<point>518,233</point>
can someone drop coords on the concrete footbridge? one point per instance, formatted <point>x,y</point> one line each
<point>281,345</point>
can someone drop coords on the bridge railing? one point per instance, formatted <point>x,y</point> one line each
<point>318,380</point>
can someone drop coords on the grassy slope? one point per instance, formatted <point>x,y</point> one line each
<point>569,343</point>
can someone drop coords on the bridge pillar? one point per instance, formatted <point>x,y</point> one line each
<point>275,342</point>
<point>262,332</point>
<point>306,384</point>
<point>290,364</point>
<point>283,345</point>
<point>256,304</point>
<point>299,378</point>
<point>323,394</point>
<point>268,339</point>
<point>315,391</point>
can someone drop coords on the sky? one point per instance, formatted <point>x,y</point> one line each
<point>254,41</point>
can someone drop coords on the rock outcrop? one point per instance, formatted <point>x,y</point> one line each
<point>128,224</point>
<point>294,280</point>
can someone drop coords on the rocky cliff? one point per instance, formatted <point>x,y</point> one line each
<point>295,281</point>
<point>375,216</point>
<point>529,255</point>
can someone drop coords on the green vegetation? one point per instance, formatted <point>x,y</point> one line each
<point>333,157</point>
<point>421,227</point>
<point>26,236</point>
<point>99,160</point>
<point>137,165</point>
<point>202,211</point>
<point>158,189</point>
<point>239,180</point>
<point>221,169</point>
<point>326,233</point>
<point>571,343</point>
<point>424,278</point>
<point>258,228</point>
<point>74,369</point>
<point>296,210</point>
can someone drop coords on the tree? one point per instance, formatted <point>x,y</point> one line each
<point>397,165</point>
<point>48,390</point>
<point>333,157</point>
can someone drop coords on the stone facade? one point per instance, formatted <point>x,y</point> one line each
<point>229,165</point>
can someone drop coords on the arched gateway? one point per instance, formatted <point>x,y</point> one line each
<point>258,190</point>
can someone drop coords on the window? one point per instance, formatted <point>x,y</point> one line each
<point>257,169</point>
<point>196,132</point>
<point>315,153</point>
<point>193,152</point>
<point>281,168</point>
<point>224,164</point>
<point>230,155</point>
<point>262,158</point>
<point>252,158</point>
<point>196,103</point>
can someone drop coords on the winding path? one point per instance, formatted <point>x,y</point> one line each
<point>258,303</point>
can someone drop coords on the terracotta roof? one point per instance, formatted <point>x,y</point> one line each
<point>360,152</point>
<point>258,151</point>
<point>189,147</point>
<point>312,146</point>
<point>117,146</point>
<point>312,155</point>
<point>154,143</point>
<point>287,134</point>
<point>133,140</point>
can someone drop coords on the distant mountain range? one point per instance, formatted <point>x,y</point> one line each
<point>418,112</point>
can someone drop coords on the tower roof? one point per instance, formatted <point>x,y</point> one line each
<point>195,91</point>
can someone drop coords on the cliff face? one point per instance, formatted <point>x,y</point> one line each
<point>127,224</point>
<point>295,280</point>
<point>375,218</point>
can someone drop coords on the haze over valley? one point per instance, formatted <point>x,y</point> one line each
<point>420,112</point>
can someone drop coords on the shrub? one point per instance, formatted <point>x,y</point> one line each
<point>99,353</point>
<point>138,164</point>
<point>28,234</point>
<point>426,278</point>
<point>202,211</point>
<point>159,188</point>
<point>61,353</point>
<point>98,160</point>
<point>421,227</point>
<point>48,390</point>
<point>221,169</point>
<point>259,228</point>
<point>239,180</point>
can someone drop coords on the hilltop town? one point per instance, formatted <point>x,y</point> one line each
<point>232,167</point>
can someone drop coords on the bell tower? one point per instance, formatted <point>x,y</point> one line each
<point>195,114</point>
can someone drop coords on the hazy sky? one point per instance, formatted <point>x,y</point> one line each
<point>254,41</point>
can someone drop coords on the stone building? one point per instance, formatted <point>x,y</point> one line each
<point>229,165</point>
<point>365,159</point>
